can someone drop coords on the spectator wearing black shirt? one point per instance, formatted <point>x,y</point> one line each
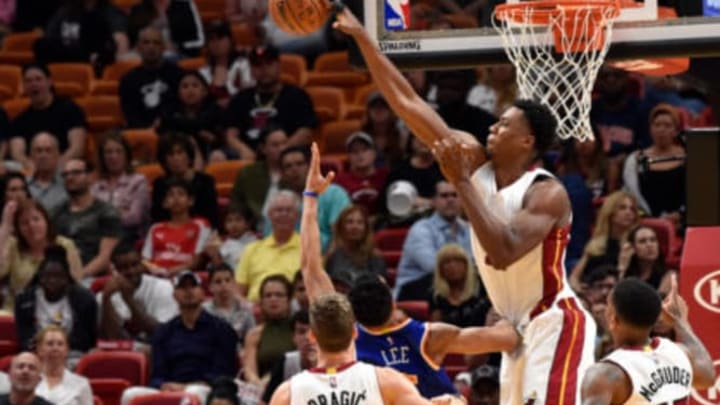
<point>176,154</point>
<point>24,377</point>
<point>145,89</point>
<point>47,113</point>
<point>251,109</point>
<point>84,31</point>
<point>33,14</point>
<point>93,225</point>
<point>177,20</point>
<point>195,113</point>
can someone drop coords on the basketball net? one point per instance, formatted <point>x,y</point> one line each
<point>557,48</point>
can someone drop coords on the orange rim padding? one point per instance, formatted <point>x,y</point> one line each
<point>544,12</point>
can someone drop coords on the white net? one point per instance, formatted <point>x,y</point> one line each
<point>557,61</point>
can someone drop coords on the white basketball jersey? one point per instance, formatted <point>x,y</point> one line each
<point>355,384</point>
<point>535,281</point>
<point>661,373</point>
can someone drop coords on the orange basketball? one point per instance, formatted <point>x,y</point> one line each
<point>299,17</point>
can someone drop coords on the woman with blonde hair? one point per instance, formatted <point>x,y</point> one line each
<point>59,385</point>
<point>353,249</point>
<point>617,216</point>
<point>457,296</point>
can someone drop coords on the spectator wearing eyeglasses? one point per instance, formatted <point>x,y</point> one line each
<point>425,239</point>
<point>92,224</point>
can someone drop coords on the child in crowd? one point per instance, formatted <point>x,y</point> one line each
<point>174,245</point>
<point>239,225</point>
<point>226,302</point>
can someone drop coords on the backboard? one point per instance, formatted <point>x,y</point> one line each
<point>644,30</point>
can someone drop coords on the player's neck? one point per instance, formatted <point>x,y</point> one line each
<point>633,342</point>
<point>507,175</point>
<point>332,360</point>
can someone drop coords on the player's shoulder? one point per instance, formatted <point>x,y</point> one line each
<point>606,378</point>
<point>547,193</point>
<point>281,396</point>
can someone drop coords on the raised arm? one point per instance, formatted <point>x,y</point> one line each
<point>317,281</point>
<point>675,313</point>
<point>397,389</point>
<point>424,122</point>
<point>605,384</point>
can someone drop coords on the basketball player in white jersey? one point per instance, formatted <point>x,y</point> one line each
<point>520,221</point>
<point>338,378</point>
<point>644,370</point>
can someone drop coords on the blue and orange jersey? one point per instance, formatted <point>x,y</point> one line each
<point>401,347</point>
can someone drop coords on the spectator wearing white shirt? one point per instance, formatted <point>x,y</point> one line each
<point>58,384</point>
<point>133,303</point>
<point>4,383</point>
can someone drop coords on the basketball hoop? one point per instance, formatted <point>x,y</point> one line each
<point>558,47</point>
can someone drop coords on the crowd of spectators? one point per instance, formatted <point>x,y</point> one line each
<point>207,283</point>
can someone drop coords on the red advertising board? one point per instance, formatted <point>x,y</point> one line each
<point>700,286</point>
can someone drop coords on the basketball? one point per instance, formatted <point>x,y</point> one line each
<point>299,17</point>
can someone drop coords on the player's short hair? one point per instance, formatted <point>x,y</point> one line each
<point>371,301</point>
<point>542,122</point>
<point>636,302</point>
<point>332,322</point>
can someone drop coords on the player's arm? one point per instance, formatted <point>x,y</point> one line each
<point>605,384</point>
<point>422,120</point>
<point>444,338</point>
<point>317,281</point>
<point>505,241</point>
<point>397,389</point>
<point>281,395</point>
<point>675,313</point>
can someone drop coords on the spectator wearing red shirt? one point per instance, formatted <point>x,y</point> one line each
<point>174,245</point>
<point>364,182</point>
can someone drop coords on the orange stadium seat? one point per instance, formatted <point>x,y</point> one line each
<point>166,398</point>
<point>108,84</point>
<point>10,82</point>
<point>151,172</point>
<point>224,174</point>
<point>129,366</point>
<point>392,257</point>
<point>192,64</point>
<point>246,35</point>
<point>14,107</point>
<point>210,9</point>
<point>143,143</point>
<point>103,112</point>
<point>295,66</point>
<point>333,69</point>
<point>334,134</point>
<point>329,102</point>
<point>72,79</point>
<point>17,48</point>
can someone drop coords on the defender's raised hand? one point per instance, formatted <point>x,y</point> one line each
<point>316,182</point>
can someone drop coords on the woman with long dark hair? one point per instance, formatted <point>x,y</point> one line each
<point>178,20</point>
<point>641,257</point>
<point>227,70</point>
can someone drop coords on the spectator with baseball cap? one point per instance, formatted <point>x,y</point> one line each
<point>363,181</point>
<point>485,386</point>
<point>192,349</point>
<point>250,110</point>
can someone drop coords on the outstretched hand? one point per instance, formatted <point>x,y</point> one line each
<point>674,308</point>
<point>346,22</point>
<point>315,181</point>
